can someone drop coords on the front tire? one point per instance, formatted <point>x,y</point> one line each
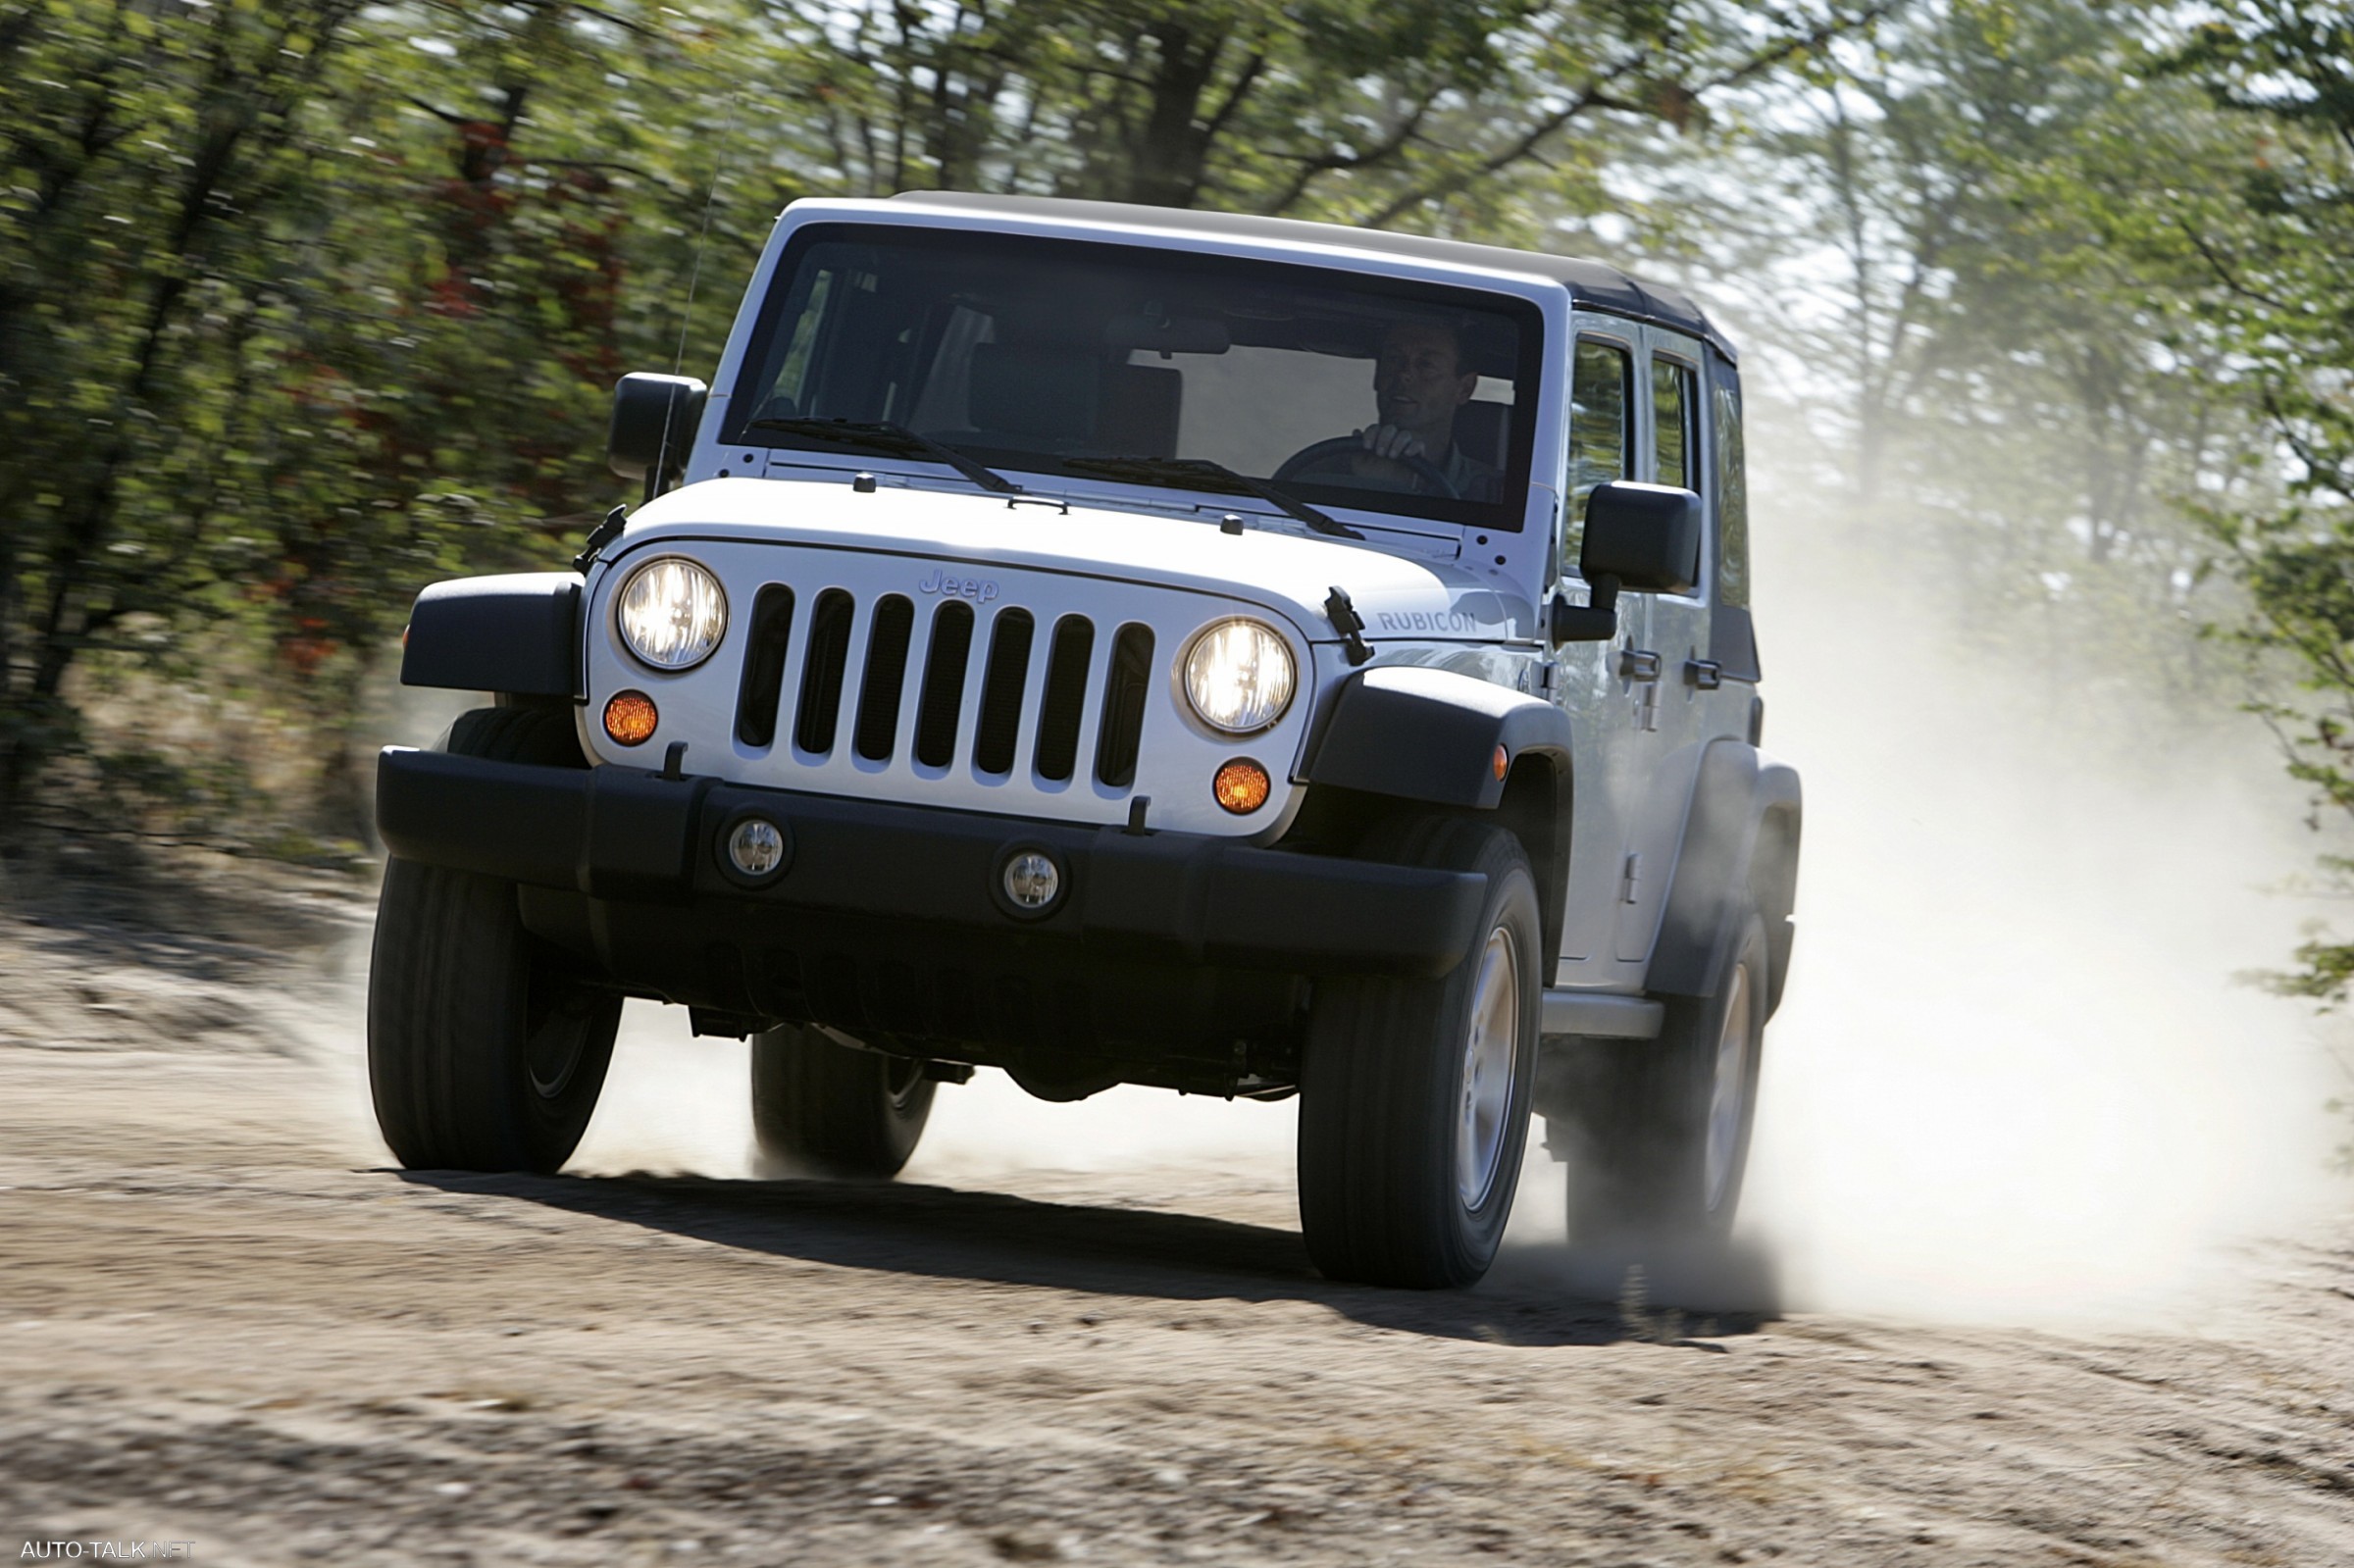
<point>1657,1131</point>
<point>823,1109</point>
<point>485,1051</point>
<point>1413,1094</point>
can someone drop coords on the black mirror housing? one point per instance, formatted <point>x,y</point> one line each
<point>653,425</point>
<point>1646,536</point>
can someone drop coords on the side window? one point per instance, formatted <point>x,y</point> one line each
<point>1732,492</point>
<point>791,395</point>
<point>850,352</point>
<point>1675,422</point>
<point>1601,411</point>
<point>945,400</point>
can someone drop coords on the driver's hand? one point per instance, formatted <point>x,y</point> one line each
<point>1390,440</point>
<point>1385,448</point>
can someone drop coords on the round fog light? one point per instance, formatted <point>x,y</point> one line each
<point>756,846</point>
<point>1032,881</point>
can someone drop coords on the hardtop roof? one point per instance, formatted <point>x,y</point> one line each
<point>1592,283</point>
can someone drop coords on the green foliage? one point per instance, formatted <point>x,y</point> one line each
<point>1424,114</point>
<point>306,304</point>
<point>2271,239</point>
<point>1952,250</point>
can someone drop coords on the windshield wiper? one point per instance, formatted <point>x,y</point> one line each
<point>895,440</point>
<point>1200,474</point>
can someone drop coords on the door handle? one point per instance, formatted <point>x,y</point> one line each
<point>1636,664</point>
<point>1706,673</point>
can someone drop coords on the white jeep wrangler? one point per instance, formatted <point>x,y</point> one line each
<point>1124,645</point>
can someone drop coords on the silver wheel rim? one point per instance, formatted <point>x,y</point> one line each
<point>1728,1094</point>
<point>552,1070</point>
<point>556,1039</point>
<point>902,1076</point>
<point>1491,1056</point>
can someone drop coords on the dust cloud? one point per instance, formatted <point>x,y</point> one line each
<point>676,1103</point>
<point>2015,1079</point>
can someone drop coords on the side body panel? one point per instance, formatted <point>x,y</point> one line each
<point>1648,706</point>
<point>1682,714</point>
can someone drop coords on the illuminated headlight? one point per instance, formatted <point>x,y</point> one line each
<point>1239,677</point>
<point>672,613</point>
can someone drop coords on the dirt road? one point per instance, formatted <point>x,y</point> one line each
<point>225,1321</point>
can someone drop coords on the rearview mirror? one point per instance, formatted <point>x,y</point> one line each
<point>653,425</point>
<point>1644,538</point>
<point>1167,334</point>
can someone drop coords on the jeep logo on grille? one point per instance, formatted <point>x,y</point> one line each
<point>978,589</point>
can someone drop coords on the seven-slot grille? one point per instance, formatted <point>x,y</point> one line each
<point>862,661</point>
<point>1013,690</point>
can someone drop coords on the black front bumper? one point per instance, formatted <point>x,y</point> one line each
<point>619,837</point>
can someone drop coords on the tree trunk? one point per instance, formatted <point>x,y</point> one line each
<point>1172,149</point>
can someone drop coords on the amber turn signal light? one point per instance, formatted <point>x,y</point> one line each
<point>630,717</point>
<point>1503,762</point>
<point>1240,786</point>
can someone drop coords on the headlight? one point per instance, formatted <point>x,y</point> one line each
<point>672,613</point>
<point>1237,676</point>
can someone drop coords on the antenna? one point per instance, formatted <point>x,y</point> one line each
<point>695,274</point>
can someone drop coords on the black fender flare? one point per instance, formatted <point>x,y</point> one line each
<point>1416,733</point>
<point>1741,834</point>
<point>517,635</point>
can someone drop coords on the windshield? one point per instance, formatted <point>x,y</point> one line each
<point>1052,356</point>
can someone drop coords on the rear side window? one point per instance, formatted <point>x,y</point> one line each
<point>1675,423</point>
<point>1732,491</point>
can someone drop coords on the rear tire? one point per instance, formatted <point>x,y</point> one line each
<point>1413,1094</point>
<point>1657,1133</point>
<point>827,1109</point>
<point>485,1051</point>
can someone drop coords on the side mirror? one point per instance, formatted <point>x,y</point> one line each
<point>653,424</point>
<point>1644,538</point>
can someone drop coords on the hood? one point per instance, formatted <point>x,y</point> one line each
<point>1398,595</point>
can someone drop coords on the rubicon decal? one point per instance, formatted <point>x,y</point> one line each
<point>1426,620</point>
<point>978,589</point>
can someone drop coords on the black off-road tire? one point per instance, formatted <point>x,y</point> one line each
<point>1635,1135</point>
<point>1383,1115</point>
<point>485,1051</point>
<point>825,1109</point>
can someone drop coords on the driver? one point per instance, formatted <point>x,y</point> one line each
<point>1419,381</point>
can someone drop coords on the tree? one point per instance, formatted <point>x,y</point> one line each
<point>1427,113</point>
<point>1962,269</point>
<point>2274,242</point>
<point>142,149</point>
<point>303,305</point>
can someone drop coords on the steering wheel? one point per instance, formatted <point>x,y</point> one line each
<point>1322,454</point>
